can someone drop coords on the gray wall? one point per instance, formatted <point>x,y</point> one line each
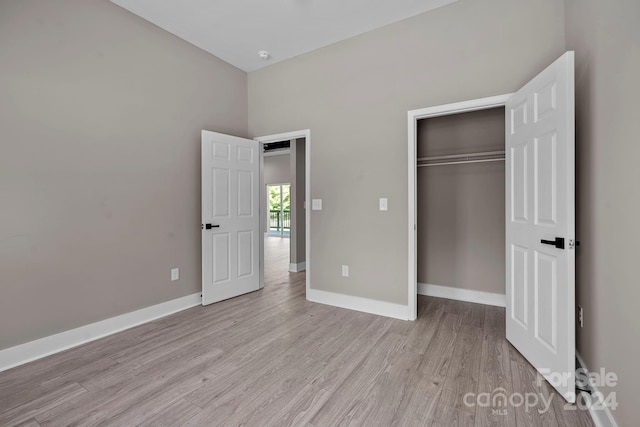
<point>461,208</point>
<point>354,96</point>
<point>100,119</point>
<point>606,38</point>
<point>277,169</point>
<point>298,220</point>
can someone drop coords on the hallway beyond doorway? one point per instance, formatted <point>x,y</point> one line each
<point>276,259</point>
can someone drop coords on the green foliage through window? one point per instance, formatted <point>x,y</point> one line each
<point>274,197</point>
<point>279,208</point>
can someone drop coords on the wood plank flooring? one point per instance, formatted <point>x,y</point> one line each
<point>271,358</point>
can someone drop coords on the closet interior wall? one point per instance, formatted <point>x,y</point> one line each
<point>461,208</point>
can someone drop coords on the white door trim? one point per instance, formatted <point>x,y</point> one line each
<point>413,116</point>
<point>306,134</point>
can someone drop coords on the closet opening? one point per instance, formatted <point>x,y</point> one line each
<point>460,147</point>
<point>460,195</point>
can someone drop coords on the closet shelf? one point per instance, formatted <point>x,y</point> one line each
<point>456,159</point>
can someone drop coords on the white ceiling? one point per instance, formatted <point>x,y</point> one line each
<point>236,30</point>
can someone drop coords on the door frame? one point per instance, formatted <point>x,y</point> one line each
<point>306,134</point>
<point>412,132</point>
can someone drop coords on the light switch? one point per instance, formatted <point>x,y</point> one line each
<point>345,271</point>
<point>316,204</point>
<point>383,204</point>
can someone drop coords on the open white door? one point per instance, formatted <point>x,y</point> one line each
<point>230,216</point>
<point>540,217</point>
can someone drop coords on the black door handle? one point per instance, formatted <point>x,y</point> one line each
<point>558,242</point>
<point>210,226</point>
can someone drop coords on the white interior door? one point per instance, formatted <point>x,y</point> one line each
<point>540,229</point>
<point>230,216</point>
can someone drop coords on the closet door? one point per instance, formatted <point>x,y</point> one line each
<point>540,224</point>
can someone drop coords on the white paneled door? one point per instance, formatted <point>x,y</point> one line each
<point>540,230</point>
<point>230,216</point>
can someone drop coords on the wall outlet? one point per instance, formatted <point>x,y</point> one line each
<point>175,274</point>
<point>580,317</point>
<point>316,204</point>
<point>383,203</point>
<point>345,271</point>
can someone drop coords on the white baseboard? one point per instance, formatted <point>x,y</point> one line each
<point>478,297</point>
<point>381,308</point>
<point>296,268</point>
<point>602,417</point>
<point>28,352</point>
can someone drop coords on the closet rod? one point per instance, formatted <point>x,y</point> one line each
<point>463,156</point>
<point>460,162</point>
<point>453,159</point>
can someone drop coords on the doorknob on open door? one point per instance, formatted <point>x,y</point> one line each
<point>209,226</point>
<point>558,242</point>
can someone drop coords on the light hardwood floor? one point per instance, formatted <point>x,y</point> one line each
<point>271,358</point>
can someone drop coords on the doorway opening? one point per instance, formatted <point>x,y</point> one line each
<point>414,117</point>
<point>461,206</point>
<point>286,220</point>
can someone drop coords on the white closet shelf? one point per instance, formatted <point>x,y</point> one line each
<point>456,159</point>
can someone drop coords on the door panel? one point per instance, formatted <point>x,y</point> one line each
<point>519,185</point>
<point>230,245</point>
<point>245,193</point>
<point>245,253</point>
<point>546,179</point>
<point>541,206</point>
<point>546,291</point>
<point>220,196</point>
<point>519,303</point>
<point>245,155</point>
<point>220,259</point>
